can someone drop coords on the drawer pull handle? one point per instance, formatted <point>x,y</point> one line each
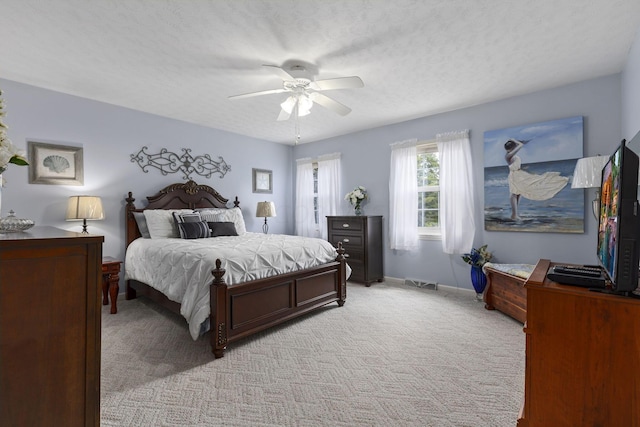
<point>345,225</point>
<point>345,240</point>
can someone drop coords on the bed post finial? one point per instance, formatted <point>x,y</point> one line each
<point>218,273</point>
<point>341,252</point>
<point>130,201</point>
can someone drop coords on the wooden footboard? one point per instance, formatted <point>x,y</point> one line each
<point>246,308</point>
<point>506,293</point>
<point>240,310</point>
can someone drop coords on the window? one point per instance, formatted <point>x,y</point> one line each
<point>428,190</point>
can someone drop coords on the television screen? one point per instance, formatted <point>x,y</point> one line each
<point>618,220</point>
<point>608,224</point>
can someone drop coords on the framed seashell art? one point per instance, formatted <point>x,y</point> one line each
<point>55,164</point>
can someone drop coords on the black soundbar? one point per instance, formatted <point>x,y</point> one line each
<point>577,280</point>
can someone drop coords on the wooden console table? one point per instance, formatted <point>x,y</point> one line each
<point>110,279</point>
<point>582,356</point>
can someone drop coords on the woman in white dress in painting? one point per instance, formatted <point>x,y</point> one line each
<point>528,185</point>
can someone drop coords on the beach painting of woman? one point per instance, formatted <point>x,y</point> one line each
<point>527,177</point>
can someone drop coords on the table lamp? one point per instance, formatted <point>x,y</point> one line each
<point>588,174</point>
<point>84,208</point>
<point>266,210</point>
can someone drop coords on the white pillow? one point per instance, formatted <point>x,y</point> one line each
<point>210,214</point>
<point>225,215</point>
<point>161,223</point>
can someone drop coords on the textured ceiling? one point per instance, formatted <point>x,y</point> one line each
<point>182,59</point>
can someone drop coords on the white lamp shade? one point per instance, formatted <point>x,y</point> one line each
<point>84,207</point>
<point>588,172</point>
<point>266,209</point>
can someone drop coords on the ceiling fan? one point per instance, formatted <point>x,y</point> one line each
<point>304,91</point>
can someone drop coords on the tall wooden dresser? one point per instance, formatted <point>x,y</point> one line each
<point>361,237</point>
<point>582,356</point>
<point>50,281</point>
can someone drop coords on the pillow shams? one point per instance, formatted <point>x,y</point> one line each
<point>225,215</point>
<point>194,230</point>
<point>161,222</point>
<point>222,229</point>
<point>142,224</point>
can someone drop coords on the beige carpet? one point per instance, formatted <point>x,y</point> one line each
<point>392,356</point>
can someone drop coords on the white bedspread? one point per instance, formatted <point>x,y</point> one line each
<point>181,268</point>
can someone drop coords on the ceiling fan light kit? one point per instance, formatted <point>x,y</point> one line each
<point>304,92</point>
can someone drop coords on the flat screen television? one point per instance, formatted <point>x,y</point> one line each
<point>618,252</point>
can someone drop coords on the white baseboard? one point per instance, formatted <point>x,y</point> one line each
<point>438,286</point>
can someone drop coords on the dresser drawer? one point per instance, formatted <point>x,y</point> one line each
<point>353,241</point>
<point>355,256</point>
<point>337,224</point>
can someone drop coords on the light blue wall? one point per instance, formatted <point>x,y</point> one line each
<point>365,161</point>
<point>109,135</point>
<point>631,91</point>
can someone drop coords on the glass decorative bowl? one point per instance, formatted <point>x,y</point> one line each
<point>11,224</point>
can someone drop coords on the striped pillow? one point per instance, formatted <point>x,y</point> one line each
<point>194,230</point>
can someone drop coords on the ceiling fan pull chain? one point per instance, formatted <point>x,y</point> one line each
<point>297,123</point>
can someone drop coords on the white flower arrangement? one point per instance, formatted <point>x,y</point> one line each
<point>8,152</point>
<point>356,196</point>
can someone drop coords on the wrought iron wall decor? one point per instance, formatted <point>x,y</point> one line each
<point>167,162</point>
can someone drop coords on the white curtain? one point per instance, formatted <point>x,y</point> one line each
<point>328,189</point>
<point>457,220</point>
<point>305,218</point>
<point>403,196</point>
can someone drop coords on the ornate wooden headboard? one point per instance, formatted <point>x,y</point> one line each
<point>188,195</point>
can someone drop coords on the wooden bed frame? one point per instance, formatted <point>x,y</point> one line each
<point>240,310</point>
<point>506,293</point>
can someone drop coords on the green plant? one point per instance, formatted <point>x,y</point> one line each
<point>478,257</point>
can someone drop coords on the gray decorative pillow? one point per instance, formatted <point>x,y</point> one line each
<point>194,230</point>
<point>222,229</point>
<point>141,220</point>
<point>186,217</point>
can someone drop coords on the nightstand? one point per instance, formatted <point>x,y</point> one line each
<point>110,279</point>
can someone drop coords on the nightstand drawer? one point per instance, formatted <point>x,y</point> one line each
<point>337,224</point>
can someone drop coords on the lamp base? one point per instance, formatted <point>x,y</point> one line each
<point>265,226</point>
<point>595,206</point>
<point>84,227</point>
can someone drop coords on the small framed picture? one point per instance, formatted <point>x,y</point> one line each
<point>55,164</point>
<point>262,181</point>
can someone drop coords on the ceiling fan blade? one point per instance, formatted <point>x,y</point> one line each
<point>252,94</point>
<point>352,82</point>
<point>279,72</point>
<point>329,103</point>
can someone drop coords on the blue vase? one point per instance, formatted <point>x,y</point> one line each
<point>478,279</point>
